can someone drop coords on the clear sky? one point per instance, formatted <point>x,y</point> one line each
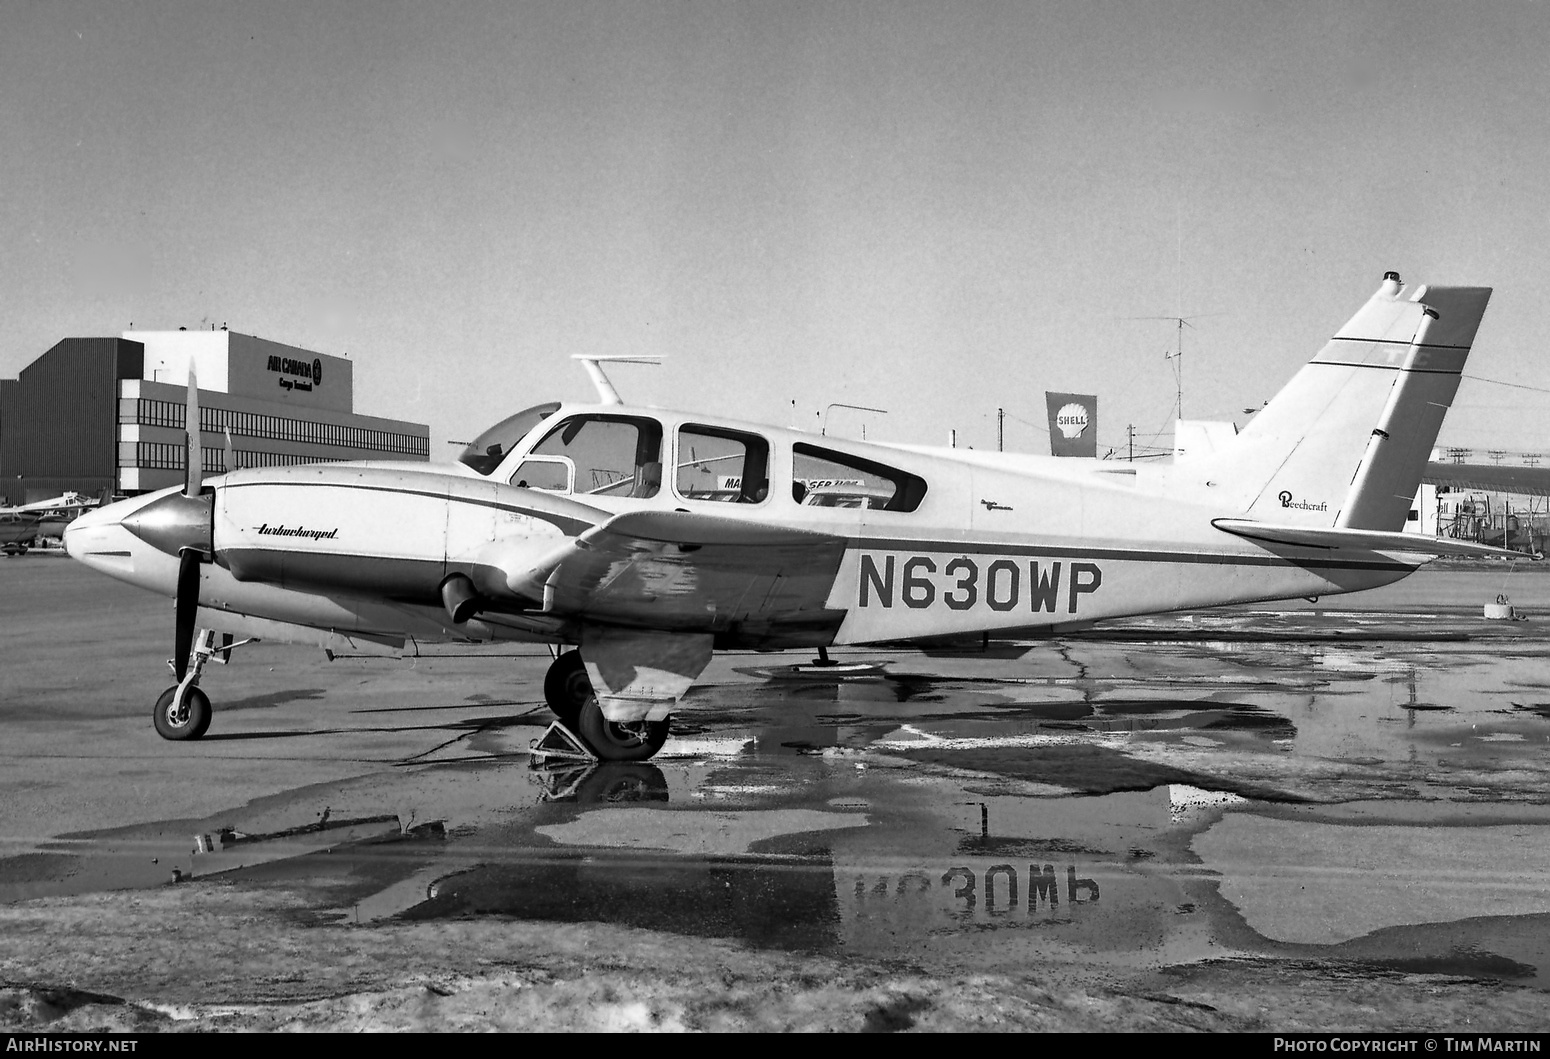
<point>936,209</point>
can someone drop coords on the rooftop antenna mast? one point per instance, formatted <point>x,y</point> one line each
<point>1176,355</point>
<point>841,404</point>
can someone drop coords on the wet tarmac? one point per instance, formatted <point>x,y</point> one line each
<point>1367,788</point>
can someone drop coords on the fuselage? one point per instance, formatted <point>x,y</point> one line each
<point>936,542</point>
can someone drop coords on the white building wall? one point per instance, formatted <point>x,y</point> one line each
<point>169,353</point>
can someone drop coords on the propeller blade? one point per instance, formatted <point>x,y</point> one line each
<point>231,453</point>
<point>193,448</point>
<point>187,610</point>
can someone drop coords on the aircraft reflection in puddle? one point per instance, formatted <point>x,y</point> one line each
<point>848,872</point>
<point>904,865</point>
<point>591,782</point>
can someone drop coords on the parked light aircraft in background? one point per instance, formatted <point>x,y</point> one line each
<point>647,539</point>
<point>21,526</point>
<point>67,503</point>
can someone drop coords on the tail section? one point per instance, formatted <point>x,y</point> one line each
<point>1345,443</point>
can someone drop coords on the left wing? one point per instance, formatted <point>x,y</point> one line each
<point>1363,540</point>
<point>678,571</point>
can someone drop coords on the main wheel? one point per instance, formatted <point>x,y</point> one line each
<point>567,688</point>
<point>613,741</point>
<point>622,782</point>
<point>195,718</point>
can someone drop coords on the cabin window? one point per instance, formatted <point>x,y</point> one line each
<point>825,478</point>
<point>552,474</point>
<point>485,452</point>
<point>611,456</point>
<point>723,465</point>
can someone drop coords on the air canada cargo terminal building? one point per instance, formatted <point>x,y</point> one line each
<point>99,413</point>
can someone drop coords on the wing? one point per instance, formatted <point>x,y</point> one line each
<point>678,571</point>
<point>1361,540</point>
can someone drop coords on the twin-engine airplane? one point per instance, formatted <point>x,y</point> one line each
<point>647,539</point>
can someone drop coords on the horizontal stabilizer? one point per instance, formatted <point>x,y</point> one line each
<point>1529,481</point>
<point>1363,540</point>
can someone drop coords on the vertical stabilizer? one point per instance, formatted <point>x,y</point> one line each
<point>1345,442</point>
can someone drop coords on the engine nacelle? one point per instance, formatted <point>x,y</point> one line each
<point>399,534</point>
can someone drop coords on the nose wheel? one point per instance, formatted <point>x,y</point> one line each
<point>183,711</point>
<point>182,718</point>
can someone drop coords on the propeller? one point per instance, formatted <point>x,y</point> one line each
<point>186,608</point>
<point>182,524</point>
<point>193,477</point>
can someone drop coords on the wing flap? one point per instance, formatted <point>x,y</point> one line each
<point>1360,540</point>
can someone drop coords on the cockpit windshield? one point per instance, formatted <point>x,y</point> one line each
<point>485,452</point>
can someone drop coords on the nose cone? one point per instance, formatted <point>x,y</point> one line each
<point>173,522</point>
<point>137,540</point>
<point>98,538</point>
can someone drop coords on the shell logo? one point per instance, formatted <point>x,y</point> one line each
<point>1071,420</point>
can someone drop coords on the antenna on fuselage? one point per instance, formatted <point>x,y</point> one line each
<point>606,394</point>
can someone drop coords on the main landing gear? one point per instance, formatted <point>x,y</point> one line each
<point>568,691</point>
<point>183,711</point>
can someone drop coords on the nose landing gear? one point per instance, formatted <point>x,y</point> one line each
<point>183,711</point>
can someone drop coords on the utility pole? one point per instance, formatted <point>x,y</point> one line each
<point>1001,430</point>
<point>1130,435</point>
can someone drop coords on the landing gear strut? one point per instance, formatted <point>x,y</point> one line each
<point>568,691</point>
<point>183,711</point>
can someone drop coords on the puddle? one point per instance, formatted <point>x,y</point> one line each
<point>1451,898</point>
<point>1087,802</point>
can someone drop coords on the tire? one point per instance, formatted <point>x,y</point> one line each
<point>616,784</point>
<point>194,725</point>
<point>611,741</point>
<point>567,688</point>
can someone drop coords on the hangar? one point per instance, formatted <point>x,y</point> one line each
<point>98,413</point>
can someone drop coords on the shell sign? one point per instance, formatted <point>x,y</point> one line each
<point>1073,424</point>
<point>1071,420</point>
